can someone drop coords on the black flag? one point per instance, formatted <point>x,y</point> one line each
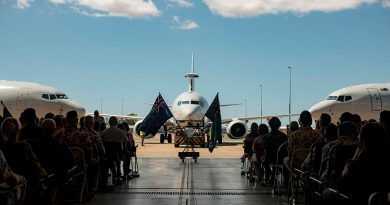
<point>6,112</point>
<point>159,114</point>
<point>214,114</point>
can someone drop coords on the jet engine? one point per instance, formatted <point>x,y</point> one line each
<point>236,129</point>
<point>135,133</point>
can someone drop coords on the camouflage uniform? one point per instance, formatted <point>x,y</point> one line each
<point>97,144</point>
<point>76,138</point>
<point>303,138</point>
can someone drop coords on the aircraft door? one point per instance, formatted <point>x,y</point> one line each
<point>376,99</point>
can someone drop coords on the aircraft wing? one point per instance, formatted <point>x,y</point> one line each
<point>227,105</point>
<point>136,118</point>
<point>224,121</point>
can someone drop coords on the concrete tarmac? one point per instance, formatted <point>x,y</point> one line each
<point>165,179</point>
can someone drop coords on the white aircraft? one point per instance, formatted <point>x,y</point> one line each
<point>17,96</point>
<point>189,109</point>
<point>367,100</point>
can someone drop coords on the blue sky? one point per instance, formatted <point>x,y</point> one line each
<point>133,49</point>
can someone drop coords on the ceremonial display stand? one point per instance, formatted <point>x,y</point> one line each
<point>189,151</point>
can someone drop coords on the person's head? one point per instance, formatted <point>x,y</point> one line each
<point>294,126</point>
<point>89,122</point>
<point>71,118</point>
<point>81,122</point>
<point>305,119</point>
<point>373,135</point>
<point>274,123</point>
<point>30,115</point>
<point>102,127</point>
<point>324,120</point>
<point>113,121</point>
<point>48,126</point>
<point>254,127</point>
<point>345,117</point>
<point>331,133</point>
<point>10,129</point>
<point>96,114</point>
<point>348,129</point>
<point>22,120</point>
<point>385,117</point>
<point>49,115</point>
<point>121,126</point>
<point>357,121</point>
<point>126,125</point>
<point>263,129</point>
<point>59,120</point>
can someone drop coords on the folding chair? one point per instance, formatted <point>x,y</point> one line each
<point>297,158</point>
<point>278,168</point>
<point>338,157</point>
<point>80,173</point>
<point>16,194</point>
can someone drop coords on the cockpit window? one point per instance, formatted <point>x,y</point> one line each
<point>185,102</point>
<point>62,96</point>
<point>384,89</point>
<point>348,98</point>
<point>53,97</point>
<point>332,98</point>
<point>341,98</point>
<point>178,103</point>
<point>45,96</point>
<point>195,102</point>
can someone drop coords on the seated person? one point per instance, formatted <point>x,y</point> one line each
<point>347,136</point>
<point>368,171</point>
<point>249,139</point>
<point>258,149</point>
<point>271,143</point>
<point>9,179</point>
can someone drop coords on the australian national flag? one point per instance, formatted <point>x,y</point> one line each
<point>6,112</point>
<point>159,114</point>
<point>214,114</point>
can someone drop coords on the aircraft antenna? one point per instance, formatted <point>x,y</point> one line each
<point>191,76</point>
<point>193,67</point>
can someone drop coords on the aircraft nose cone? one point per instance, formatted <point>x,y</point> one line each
<point>190,113</point>
<point>72,105</point>
<point>318,109</point>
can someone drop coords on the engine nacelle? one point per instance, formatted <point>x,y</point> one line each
<point>236,129</point>
<point>135,133</point>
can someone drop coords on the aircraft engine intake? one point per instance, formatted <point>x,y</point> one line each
<point>236,129</point>
<point>136,134</point>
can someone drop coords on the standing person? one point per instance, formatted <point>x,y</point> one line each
<point>142,135</point>
<point>99,120</point>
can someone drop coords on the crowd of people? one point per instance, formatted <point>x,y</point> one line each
<point>38,157</point>
<point>347,163</point>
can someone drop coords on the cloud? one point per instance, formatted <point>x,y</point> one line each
<point>386,3</point>
<point>253,8</point>
<point>23,4</point>
<point>184,25</point>
<point>117,8</point>
<point>182,3</point>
